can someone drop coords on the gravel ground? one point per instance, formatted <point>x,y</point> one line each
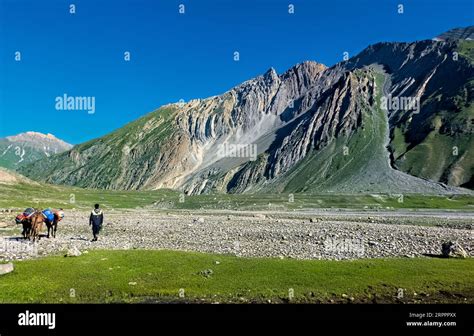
<point>281,235</point>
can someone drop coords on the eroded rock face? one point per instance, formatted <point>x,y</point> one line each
<point>326,103</point>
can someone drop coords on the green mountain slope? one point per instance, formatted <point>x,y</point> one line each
<point>119,160</point>
<point>438,143</point>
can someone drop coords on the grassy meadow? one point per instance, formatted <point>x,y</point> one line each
<point>170,276</point>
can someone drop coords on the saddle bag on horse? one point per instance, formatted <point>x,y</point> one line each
<point>48,215</point>
<point>20,218</point>
<point>25,215</point>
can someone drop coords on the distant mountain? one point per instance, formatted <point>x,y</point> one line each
<point>397,118</point>
<point>25,148</point>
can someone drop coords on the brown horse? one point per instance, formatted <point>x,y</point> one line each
<point>37,220</point>
<point>52,227</point>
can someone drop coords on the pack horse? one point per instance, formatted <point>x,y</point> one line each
<point>33,220</point>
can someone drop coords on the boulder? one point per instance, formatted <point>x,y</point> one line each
<point>6,268</point>
<point>453,250</point>
<point>73,252</point>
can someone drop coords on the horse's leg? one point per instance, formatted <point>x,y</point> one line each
<point>26,226</point>
<point>32,232</point>
<point>34,228</point>
<point>49,228</point>
<point>40,228</point>
<point>37,232</point>
<point>53,227</point>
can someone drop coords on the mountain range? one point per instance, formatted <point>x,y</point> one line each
<point>396,118</point>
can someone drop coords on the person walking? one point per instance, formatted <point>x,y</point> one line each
<point>96,219</point>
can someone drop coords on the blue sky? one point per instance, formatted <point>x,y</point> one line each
<point>175,56</point>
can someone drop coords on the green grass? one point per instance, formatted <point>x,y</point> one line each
<point>104,276</point>
<point>44,195</point>
<point>318,201</point>
<point>398,144</point>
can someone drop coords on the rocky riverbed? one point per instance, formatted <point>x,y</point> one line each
<point>281,235</point>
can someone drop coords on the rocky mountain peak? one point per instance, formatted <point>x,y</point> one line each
<point>308,67</point>
<point>462,33</point>
<point>39,140</point>
<point>270,73</point>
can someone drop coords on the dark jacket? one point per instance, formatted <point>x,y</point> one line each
<point>96,218</point>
